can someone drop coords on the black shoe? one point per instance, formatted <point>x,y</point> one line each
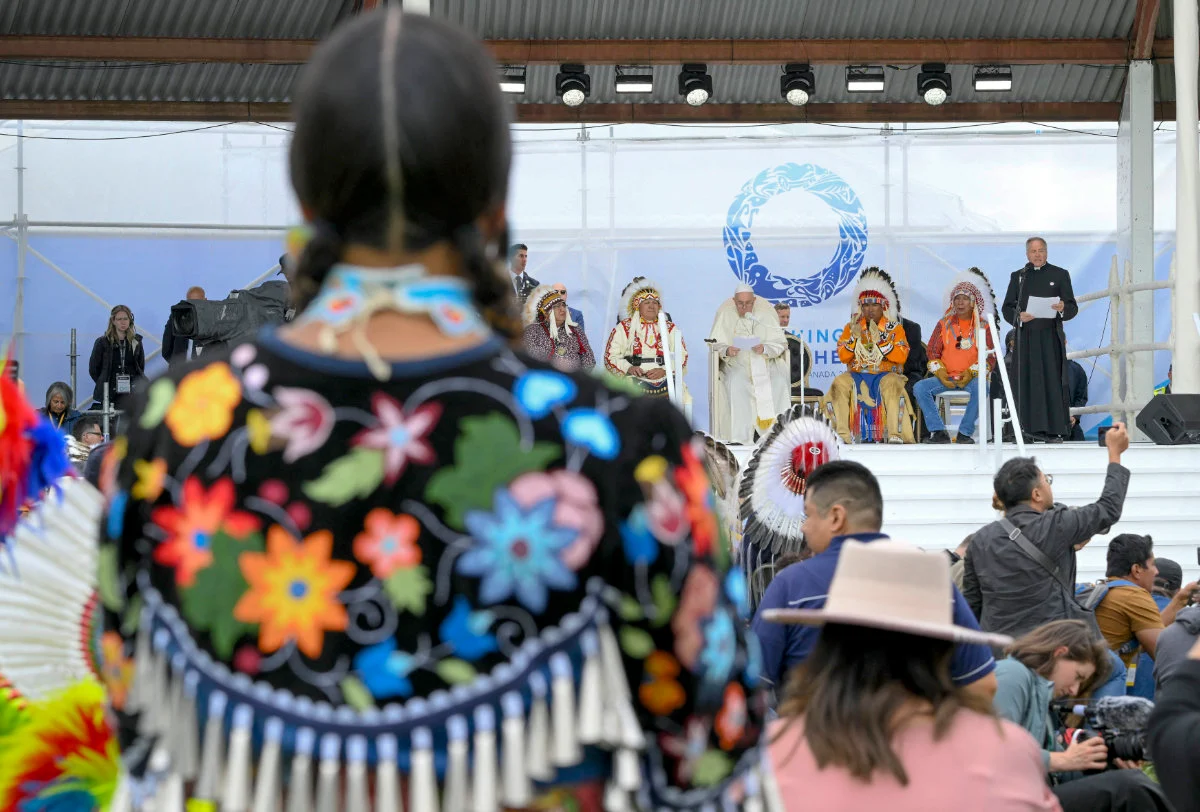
<point>938,438</point>
<point>963,439</point>
<point>1054,439</point>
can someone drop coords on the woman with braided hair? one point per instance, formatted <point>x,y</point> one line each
<point>377,558</point>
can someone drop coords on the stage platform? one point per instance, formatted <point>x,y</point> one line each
<point>934,495</point>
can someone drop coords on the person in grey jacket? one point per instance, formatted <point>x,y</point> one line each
<point>1174,643</point>
<point>1009,591</point>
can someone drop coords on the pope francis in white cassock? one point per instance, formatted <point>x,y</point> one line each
<point>753,378</point>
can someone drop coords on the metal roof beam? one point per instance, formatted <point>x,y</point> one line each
<point>1141,33</point>
<point>815,112</point>
<point>816,52</point>
<point>610,113</point>
<point>615,52</point>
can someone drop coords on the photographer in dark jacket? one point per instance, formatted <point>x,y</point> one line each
<point>1010,592</point>
<point>1174,734</point>
<point>118,359</point>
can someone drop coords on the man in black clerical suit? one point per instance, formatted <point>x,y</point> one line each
<point>523,284</point>
<point>1041,375</point>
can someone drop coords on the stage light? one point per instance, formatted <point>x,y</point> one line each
<point>989,78</point>
<point>573,85</point>
<point>695,85</point>
<point>933,83</point>
<point>797,83</point>
<point>864,79</point>
<point>512,79</point>
<point>634,80</point>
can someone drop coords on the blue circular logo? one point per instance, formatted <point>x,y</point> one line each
<point>852,234</point>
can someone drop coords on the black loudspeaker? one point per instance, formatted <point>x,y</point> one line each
<point>1171,419</point>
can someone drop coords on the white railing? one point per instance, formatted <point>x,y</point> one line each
<point>1121,352</point>
<point>997,418</point>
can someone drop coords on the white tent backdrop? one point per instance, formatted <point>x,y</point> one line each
<point>795,210</point>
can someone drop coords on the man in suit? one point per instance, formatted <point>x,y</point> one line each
<point>523,284</point>
<point>176,350</point>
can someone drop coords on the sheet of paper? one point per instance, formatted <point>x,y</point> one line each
<point>1041,307</point>
<point>746,342</point>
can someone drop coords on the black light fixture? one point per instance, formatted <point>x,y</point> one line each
<point>864,79</point>
<point>512,79</point>
<point>631,79</point>
<point>992,78</point>
<point>933,83</point>
<point>695,85</point>
<point>797,83</point>
<point>572,84</point>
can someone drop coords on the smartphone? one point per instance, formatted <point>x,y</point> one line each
<point>1100,436</point>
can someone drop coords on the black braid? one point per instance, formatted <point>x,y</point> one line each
<point>321,253</point>
<point>493,294</point>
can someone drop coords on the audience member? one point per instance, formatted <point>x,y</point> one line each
<point>1166,585</point>
<point>85,435</point>
<point>176,350</point>
<point>1173,644</point>
<point>1173,737</point>
<point>843,503</point>
<point>1058,660</point>
<point>872,720</point>
<point>958,562</point>
<point>1128,616</point>
<point>1014,592</point>
<point>59,409</point>
<point>118,359</point>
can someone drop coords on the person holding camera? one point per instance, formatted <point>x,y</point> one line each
<point>118,359</point>
<point>1021,570</point>
<point>1055,661</point>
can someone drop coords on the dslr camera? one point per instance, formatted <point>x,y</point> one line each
<point>1119,720</point>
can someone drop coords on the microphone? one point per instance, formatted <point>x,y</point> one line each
<point>1028,267</point>
<point>1113,712</point>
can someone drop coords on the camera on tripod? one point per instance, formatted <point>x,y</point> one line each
<point>211,324</point>
<point>1119,720</point>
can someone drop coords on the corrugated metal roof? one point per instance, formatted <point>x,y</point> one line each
<point>584,19</point>
<point>279,19</point>
<point>769,19</point>
<point>569,19</point>
<point>190,82</point>
<point>731,83</point>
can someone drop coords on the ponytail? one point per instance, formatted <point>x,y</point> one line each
<point>322,251</point>
<point>493,295</point>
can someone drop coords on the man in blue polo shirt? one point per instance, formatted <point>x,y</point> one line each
<point>842,501</point>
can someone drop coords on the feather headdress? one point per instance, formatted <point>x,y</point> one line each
<point>49,629</point>
<point>635,293</point>
<point>875,286</point>
<point>975,284</point>
<point>723,471</point>
<point>772,492</point>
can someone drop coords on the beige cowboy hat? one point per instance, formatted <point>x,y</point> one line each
<point>893,586</point>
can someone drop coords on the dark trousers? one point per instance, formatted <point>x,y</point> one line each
<point>1112,791</point>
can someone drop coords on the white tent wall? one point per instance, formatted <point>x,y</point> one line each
<point>597,206</point>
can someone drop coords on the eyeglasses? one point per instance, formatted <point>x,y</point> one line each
<point>1049,479</point>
